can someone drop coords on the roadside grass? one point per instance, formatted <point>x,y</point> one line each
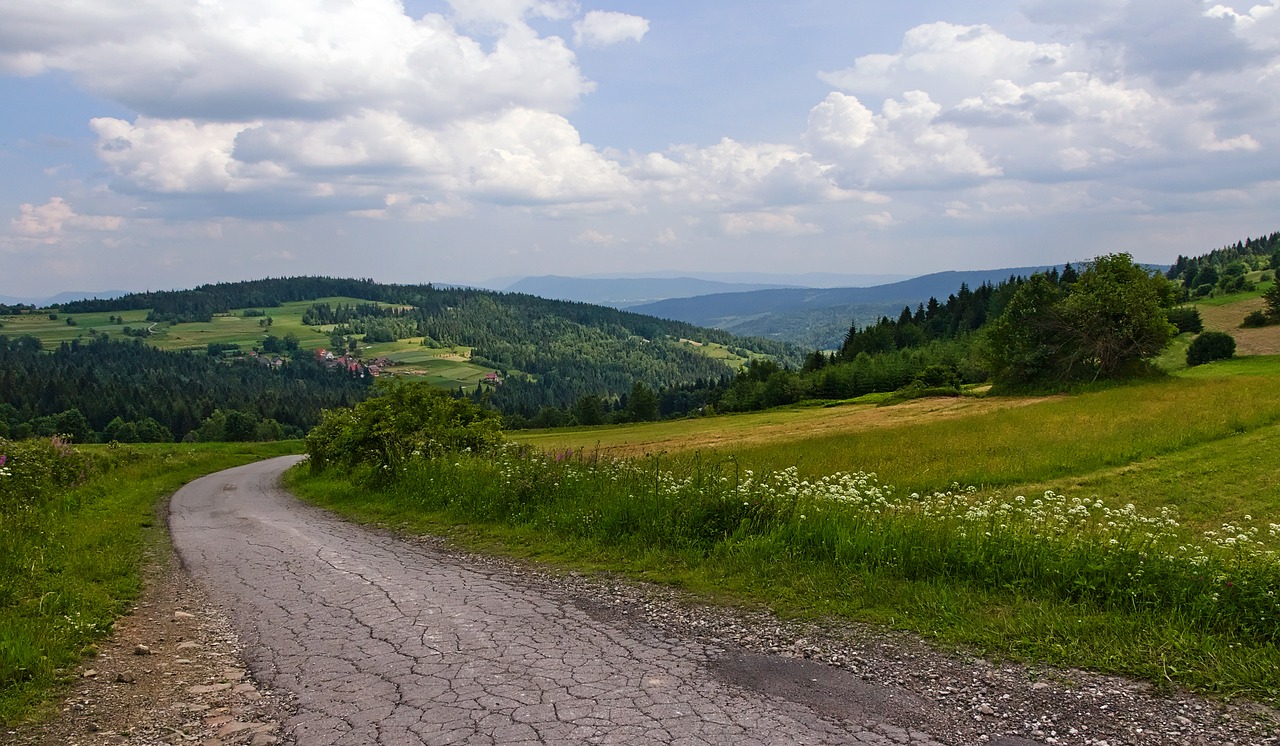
<point>1069,583</point>
<point>70,559</point>
<point>992,443</point>
<point>1092,575</point>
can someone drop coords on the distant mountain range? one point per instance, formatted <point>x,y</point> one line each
<point>627,291</point>
<point>818,318</point>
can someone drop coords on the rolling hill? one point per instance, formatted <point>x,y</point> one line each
<point>818,318</point>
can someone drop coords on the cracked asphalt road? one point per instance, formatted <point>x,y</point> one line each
<point>384,641</point>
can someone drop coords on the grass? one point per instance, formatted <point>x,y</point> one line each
<point>70,563</point>
<point>992,443</point>
<point>446,367</point>
<point>1202,441</point>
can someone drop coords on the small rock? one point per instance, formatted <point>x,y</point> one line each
<point>90,673</point>
<point>125,677</point>
<point>262,739</point>
<point>141,650</point>
<point>183,615</point>
<point>986,710</point>
<point>1039,686</point>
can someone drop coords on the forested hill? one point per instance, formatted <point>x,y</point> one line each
<point>551,353</point>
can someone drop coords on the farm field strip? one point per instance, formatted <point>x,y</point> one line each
<point>994,444</point>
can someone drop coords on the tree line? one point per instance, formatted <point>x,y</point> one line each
<point>116,390</point>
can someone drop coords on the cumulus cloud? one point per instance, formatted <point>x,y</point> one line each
<point>733,175</point>
<point>903,145</point>
<point>774,223</point>
<point>601,28</point>
<point>51,222</point>
<point>949,61</point>
<point>592,237</point>
<point>969,104</point>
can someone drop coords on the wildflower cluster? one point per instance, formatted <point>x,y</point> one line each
<point>31,471</point>
<point>1048,546</point>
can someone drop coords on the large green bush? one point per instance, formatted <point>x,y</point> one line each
<point>1210,346</point>
<point>405,420</point>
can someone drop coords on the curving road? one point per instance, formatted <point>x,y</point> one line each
<point>388,642</point>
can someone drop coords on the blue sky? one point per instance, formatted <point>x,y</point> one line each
<point>158,144</point>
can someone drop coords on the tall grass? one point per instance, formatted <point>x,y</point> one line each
<point>1041,440</point>
<point>74,526</point>
<point>846,543</point>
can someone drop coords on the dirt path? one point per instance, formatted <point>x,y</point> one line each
<point>386,642</point>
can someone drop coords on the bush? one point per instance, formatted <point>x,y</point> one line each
<point>406,420</point>
<point>1186,319</point>
<point>1254,320</point>
<point>1210,346</point>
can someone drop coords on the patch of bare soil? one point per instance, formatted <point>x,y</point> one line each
<point>170,673</point>
<point>1261,341</point>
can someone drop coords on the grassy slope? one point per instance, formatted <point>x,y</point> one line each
<point>81,563</point>
<point>1202,440</point>
<point>447,367</point>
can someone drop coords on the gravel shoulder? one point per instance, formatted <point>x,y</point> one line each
<point>172,672</point>
<point>190,683</point>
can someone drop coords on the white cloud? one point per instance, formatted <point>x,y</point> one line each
<point>774,223</point>
<point>903,145</point>
<point>731,175</point>
<point>950,60</point>
<point>294,59</point>
<point>49,223</point>
<point>601,28</point>
<point>592,237</point>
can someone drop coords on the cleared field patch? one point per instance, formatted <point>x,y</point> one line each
<point>989,443</point>
<point>1227,318</point>
<point>756,429</point>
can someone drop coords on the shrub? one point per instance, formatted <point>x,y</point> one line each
<point>1254,320</point>
<point>1186,319</point>
<point>407,420</point>
<point>1210,346</point>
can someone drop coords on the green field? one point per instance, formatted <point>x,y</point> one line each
<point>1202,441</point>
<point>448,367</point>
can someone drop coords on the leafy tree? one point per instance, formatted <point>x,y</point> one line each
<point>74,424</point>
<point>1210,346</point>
<point>404,420</point>
<point>1115,317</point>
<point>1106,325</point>
<point>1024,343</point>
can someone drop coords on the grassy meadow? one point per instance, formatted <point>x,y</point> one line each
<point>76,525</point>
<point>1145,544</point>
<point>448,367</point>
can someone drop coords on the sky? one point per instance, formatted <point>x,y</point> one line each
<point>156,144</point>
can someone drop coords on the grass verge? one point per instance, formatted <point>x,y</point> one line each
<point>1067,582</point>
<point>70,561</point>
